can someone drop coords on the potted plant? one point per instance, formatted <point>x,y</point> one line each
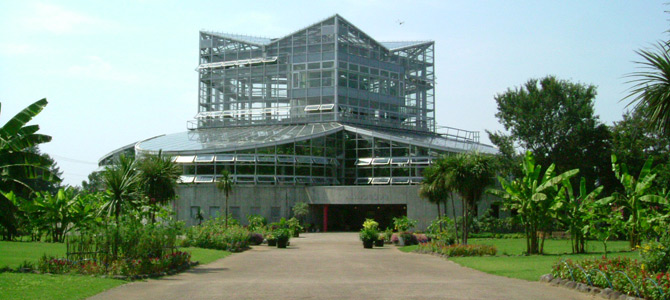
<point>368,236</point>
<point>370,233</point>
<point>379,242</point>
<point>283,235</point>
<point>294,225</point>
<point>272,239</point>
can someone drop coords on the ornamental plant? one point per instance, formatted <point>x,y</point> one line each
<point>370,224</point>
<point>442,248</point>
<point>403,223</point>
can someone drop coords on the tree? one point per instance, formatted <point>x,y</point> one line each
<point>555,120</point>
<point>158,176</point>
<point>225,185</point>
<point>121,182</point>
<point>437,185</point>
<point>469,174</point>
<point>300,210</point>
<point>59,213</point>
<point>651,86</point>
<point>94,183</point>
<point>634,140</point>
<point>573,210</point>
<point>637,194</point>
<point>18,164</point>
<point>532,197</point>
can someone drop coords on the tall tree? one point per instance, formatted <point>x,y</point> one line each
<point>555,120</point>
<point>94,183</point>
<point>18,164</point>
<point>468,174</point>
<point>158,179</point>
<point>651,86</point>
<point>437,185</point>
<point>225,185</point>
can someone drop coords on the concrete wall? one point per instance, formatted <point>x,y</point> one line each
<point>246,197</point>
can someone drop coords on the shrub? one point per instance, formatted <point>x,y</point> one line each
<point>370,224</point>
<point>403,223</point>
<point>442,229</point>
<point>655,255</point>
<point>256,238</point>
<point>407,237</point>
<point>457,250</point>
<point>256,222</point>
<point>127,267</point>
<point>212,234</point>
<point>643,280</point>
<point>368,234</point>
<point>283,234</point>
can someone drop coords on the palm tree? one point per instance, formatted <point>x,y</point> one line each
<point>651,86</point>
<point>438,184</point>
<point>469,175</point>
<point>225,185</point>
<point>121,181</point>
<point>158,179</point>
<point>18,164</point>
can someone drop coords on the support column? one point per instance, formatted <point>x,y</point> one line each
<point>325,218</point>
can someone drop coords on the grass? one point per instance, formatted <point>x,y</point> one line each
<point>15,253</point>
<point>510,261</point>
<point>205,256</point>
<point>42,286</point>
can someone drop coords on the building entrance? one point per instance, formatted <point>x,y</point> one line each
<point>351,217</point>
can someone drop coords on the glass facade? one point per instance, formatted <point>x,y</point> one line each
<point>326,105</point>
<point>330,71</point>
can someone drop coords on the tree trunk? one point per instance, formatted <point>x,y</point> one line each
<point>453,211</point>
<point>439,215</point>
<point>465,222</point>
<point>226,222</point>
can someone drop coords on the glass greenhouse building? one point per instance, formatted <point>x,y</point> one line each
<point>321,112</point>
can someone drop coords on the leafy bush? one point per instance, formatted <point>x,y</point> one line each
<point>407,237</point>
<point>283,234</point>
<point>443,229</point>
<point>489,235</point>
<point>370,224</point>
<point>655,256</point>
<point>256,222</point>
<point>127,267</point>
<point>403,223</point>
<point>256,238</point>
<point>597,269</point>
<point>212,234</point>
<point>457,250</point>
<point>369,234</point>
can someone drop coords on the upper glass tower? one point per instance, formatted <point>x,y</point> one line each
<point>329,71</point>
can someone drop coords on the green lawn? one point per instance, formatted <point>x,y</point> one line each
<point>41,286</point>
<point>510,262</point>
<point>12,254</point>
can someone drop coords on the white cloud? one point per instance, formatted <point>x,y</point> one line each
<point>59,20</point>
<point>98,68</point>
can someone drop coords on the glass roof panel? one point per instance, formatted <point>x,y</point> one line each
<point>235,138</point>
<point>398,45</point>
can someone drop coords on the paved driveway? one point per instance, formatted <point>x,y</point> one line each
<point>335,266</point>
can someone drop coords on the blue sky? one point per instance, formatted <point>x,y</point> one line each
<point>116,72</point>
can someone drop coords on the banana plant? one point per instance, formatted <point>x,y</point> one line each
<point>533,196</point>
<point>636,198</point>
<point>17,164</point>
<point>573,211</point>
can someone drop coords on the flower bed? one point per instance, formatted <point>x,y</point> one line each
<point>213,235</point>
<point>125,267</point>
<point>457,249</point>
<point>621,274</point>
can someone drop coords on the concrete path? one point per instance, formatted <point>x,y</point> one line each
<point>335,266</point>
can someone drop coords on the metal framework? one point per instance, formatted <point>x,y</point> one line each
<point>329,71</point>
<point>325,105</point>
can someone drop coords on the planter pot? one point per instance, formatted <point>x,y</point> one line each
<point>368,244</point>
<point>379,243</point>
<point>272,243</point>
<point>282,243</point>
